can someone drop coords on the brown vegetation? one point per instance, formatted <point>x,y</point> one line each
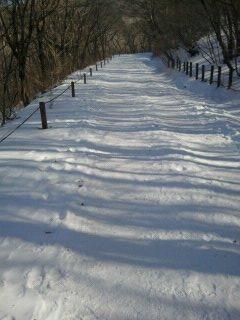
<point>41,41</point>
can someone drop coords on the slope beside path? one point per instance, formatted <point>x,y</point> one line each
<point>127,207</point>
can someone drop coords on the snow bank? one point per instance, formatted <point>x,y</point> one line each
<point>210,54</point>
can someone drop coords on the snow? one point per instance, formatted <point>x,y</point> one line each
<point>127,207</point>
<point>210,54</point>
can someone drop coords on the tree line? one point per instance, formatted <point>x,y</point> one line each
<point>167,25</point>
<point>42,41</point>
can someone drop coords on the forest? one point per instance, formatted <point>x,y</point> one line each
<point>42,41</point>
<point>119,159</point>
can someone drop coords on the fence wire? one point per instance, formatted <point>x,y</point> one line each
<point>11,132</point>
<point>207,74</point>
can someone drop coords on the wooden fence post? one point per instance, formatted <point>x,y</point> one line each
<point>211,75</point>
<point>96,67</point>
<point>230,80</point>
<point>42,108</point>
<point>85,78</point>
<point>219,76</point>
<point>90,71</point>
<point>187,68</point>
<point>191,69</point>
<point>197,71</point>
<point>73,89</point>
<point>101,64</point>
<point>203,72</point>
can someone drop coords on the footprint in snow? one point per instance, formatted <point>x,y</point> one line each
<point>8,318</point>
<point>62,215</point>
<point>35,278</point>
<point>48,232</point>
<point>80,183</point>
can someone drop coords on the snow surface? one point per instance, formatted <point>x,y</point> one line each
<point>127,207</point>
<point>210,54</point>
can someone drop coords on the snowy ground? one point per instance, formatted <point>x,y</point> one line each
<point>128,206</point>
<point>210,54</point>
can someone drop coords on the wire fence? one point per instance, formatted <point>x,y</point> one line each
<point>18,126</point>
<point>205,73</point>
<point>50,101</point>
<point>220,76</point>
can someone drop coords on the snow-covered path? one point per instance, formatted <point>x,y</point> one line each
<point>127,207</point>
